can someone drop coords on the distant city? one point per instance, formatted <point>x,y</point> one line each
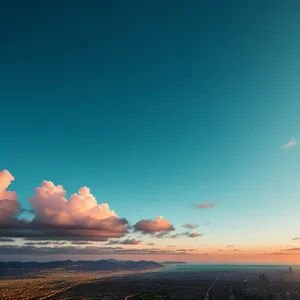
<point>147,280</point>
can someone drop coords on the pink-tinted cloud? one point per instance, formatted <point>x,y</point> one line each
<point>154,226</point>
<point>206,204</point>
<point>56,217</point>
<point>9,206</point>
<point>194,234</point>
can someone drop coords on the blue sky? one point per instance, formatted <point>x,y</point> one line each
<point>157,107</point>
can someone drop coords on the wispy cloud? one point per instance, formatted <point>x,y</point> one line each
<point>291,143</point>
<point>206,204</point>
<point>48,243</point>
<point>296,239</point>
<point>187,234</point>
<point>124,242</point>
<point>6,240</point>
<point>229,246</point>
<point>87,250</point>
<point>82,243</point>
<point>190,226</point>
<point>291,249</point>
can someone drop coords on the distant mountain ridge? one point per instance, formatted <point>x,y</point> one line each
<point>101,265</point>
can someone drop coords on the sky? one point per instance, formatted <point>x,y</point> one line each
<point>172,114</point>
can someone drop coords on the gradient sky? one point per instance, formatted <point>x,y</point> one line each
<point>158,106</point>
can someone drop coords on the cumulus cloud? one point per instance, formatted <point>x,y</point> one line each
<point>56,217</point>
<point>6,240</point>
<point>154,226</point>
<point>204,205</point>
<point>124,242</point>
<point>190,226</point>
<point>291,143</point>
<point>9,205</point>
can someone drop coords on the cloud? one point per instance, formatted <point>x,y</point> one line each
<point>150,244</point>
<point>291,143</point>
<point>296,239</point>
<point>81,243</point>
<point>194,234</point>
<point>204,205</point>
<point>154,226</point>
<point>6,240</point>
<point>56,217</point>
<point>44,243</point>
<point>283,253</point>
<point>235,250</point>
<point>187,234</point>
<point>9,205</point>
<point>162,235</point>
<point>229,246</point>
<point>190,226</point>
<point>291,249</point>
<point>220,250</point>
<point>73,250</point>
<point>124,242</point>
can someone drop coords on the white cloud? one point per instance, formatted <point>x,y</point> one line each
<point>291,143</point>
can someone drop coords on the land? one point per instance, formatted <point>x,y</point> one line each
<point>161,284</point>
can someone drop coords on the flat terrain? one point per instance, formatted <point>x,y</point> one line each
<point>164,284</point>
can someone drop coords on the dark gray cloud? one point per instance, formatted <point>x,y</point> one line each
<point>6,240</point>
<point>73,250</point>
<point>190,226</point>
<point>124,242</point>
<point>107,228</point>
<point>44,243</point>
<point>186,234</point>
